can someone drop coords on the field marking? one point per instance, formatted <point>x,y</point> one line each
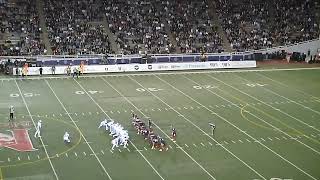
<point>188,120</point>
<point>263,121</point>
<point>75,124</point>
<point>164,73</point>
<point>34,124</point>
<point>314,150</point>
<point>235,125</point>
<point>285,85</point>
<point>1,175</point>
<point>317,112</point>
<point>102,110</point>
<point>130,102</point>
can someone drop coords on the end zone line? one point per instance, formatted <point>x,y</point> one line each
<point>45,149</point>
<point>75,124</point>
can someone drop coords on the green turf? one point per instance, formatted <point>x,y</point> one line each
<point>267,126</point>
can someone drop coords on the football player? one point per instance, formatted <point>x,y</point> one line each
<point>66,137</point>
<point>38,128</point>
<point>173,134</point>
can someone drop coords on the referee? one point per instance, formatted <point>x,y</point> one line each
<point>11,110</point>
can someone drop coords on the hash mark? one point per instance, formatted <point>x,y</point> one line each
<point>186,145</point>
<point>210,143</point>
<point>145,148</point>
<point>84,153</point>
<point>102,151</point>
<point>248,140</point>
<point>202,144</point>
<point>128,149</point>
<point>195,145</point>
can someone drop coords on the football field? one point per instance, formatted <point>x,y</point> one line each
<point>267,126</point>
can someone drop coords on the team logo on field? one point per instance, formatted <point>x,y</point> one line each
<point>150,67</point>
<point>17,138</point>
<point>136,67</point>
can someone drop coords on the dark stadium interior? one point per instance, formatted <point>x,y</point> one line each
<point>69,27</point>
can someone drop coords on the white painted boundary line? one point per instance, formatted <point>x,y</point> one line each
<point>168,73</point>
<point>95,102</point>
<point>44,147</point>
<point>75,124</point>
<point>314,150</point>
<point>159,128</point>
<point>237,128</point>
<point>188,120</point>
<point>285,85</point>
<point>281,110</point>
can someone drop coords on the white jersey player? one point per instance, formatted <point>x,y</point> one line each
<point>115,142</point>
<point>38,129</point>
<point>103,124</point>
<point>66,138</point>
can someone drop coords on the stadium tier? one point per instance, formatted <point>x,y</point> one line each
<point>60,27</point>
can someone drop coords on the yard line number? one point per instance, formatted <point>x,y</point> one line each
<point>91,92</point>
<point>148,89</point>
<point>277,179</point>
<point>15,95</point>
<point>255,85</point>
<point>205,87</point>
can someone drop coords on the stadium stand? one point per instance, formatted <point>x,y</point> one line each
<point>256,24</point>
<point>73,29</point>
<point>189,21</point>
<point>20,30</point>
<point>77,27</point>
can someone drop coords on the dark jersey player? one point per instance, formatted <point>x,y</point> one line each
<point>173,134</point>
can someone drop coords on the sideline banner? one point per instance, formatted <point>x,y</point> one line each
<point>143,67</point>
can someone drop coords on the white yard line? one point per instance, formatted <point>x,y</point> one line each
<point>34,124</point>
<point>165,73</point>
<point>281,110</point>
<point>314,150</point>
<point>130,102</point>
<point>188,120</point>
<point>236,128</point>
<point>75,124</point>
<point>285,85</point>
<point>102,110</point>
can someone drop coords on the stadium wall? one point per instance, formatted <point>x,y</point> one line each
<point>313,46</point>
<point>143,67</point>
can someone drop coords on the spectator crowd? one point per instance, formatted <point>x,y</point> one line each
<point>256,24</point>
<point>19,29</point>
<point>76,27</point>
